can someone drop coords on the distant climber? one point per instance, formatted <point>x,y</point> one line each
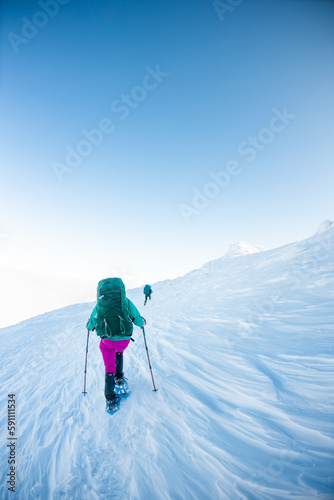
<point>112,319</point>
<point>147,292</point>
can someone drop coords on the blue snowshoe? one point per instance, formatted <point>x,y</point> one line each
<point>112,405</point>
<point>121,387</point>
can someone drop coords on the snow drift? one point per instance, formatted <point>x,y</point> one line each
<point>242,354</point>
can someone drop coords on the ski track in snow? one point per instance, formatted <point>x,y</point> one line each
<point>244,408</point>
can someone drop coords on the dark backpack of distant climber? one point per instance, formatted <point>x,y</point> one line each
<point>112,319</point>
<point>147,292</point>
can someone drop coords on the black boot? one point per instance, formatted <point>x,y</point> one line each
<point>109,386</point>
<point>121,386</point>
<point>111,398</point>
<point>119,367</point>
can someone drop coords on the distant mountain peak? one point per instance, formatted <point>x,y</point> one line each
<point>325,225</point>
<point>241,248</point>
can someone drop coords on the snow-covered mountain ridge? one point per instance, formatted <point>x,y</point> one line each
<point>242,354</point>
<point>290,264</point>
<point>241,248</point>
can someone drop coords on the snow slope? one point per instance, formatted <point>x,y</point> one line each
<point>242,354</point>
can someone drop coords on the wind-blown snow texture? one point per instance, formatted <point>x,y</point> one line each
<point>242,354</point>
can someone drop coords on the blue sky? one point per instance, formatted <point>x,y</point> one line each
<point>197,91</point>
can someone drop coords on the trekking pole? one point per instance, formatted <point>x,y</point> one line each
<point>148,357</point>
<point>84,391</point>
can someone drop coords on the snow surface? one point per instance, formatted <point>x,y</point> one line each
<point>242,355</point>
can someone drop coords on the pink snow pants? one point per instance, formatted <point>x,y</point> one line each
<point>108,349</point>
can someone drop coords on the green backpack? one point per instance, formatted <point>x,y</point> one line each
<point>112,317</point>
<point>147,289</point>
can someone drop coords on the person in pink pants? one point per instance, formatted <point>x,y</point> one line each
<point>114,308</point>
